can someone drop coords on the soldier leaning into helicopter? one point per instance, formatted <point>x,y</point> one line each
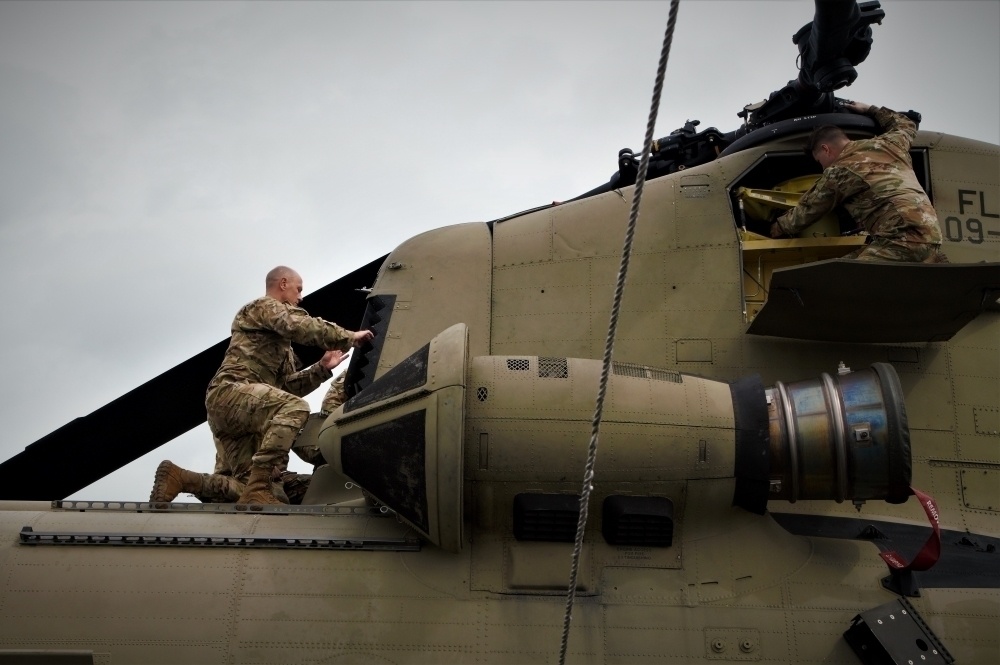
<point>254,402</point>
<point>221,486</point>
<point>873,180</point>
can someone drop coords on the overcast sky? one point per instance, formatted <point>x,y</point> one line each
<point>156,159</point>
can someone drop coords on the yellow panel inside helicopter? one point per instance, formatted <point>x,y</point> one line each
<point>762,255</point>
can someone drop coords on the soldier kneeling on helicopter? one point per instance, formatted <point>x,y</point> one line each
<point>254,401</point>
<point>222,486</point>
<point>873,180</point>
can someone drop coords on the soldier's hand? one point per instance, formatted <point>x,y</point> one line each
<point>362,336</point>
<point>857,107</point>
<point>332,358</point>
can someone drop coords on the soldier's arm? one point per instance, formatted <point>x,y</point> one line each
<point>897,127</point>
<point>335,395</point>
<point>819,200</point>
<point>295,324</point>
<point>305,381</point>
<point>836,184</point>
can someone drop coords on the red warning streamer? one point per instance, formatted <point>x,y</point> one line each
<point>931,551</point>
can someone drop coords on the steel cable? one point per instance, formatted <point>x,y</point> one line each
<point>588,475</point>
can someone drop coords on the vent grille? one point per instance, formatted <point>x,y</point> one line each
<point>546,517</point>
<point>625,369</point>
<point>664,375</point>
<point>482,393</point>
<point>518,364</point>
<point>643,372</point>
<point>646,521</point>
<point>553,368</point>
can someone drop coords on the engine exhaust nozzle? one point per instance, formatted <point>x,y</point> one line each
<point>840,437</point>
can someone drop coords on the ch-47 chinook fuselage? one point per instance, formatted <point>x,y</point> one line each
<point>470,422</point>
<point>770,408</point>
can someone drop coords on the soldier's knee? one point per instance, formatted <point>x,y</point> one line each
<point>293,413</point>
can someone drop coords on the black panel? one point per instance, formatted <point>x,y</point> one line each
<point>389,460</point>
<point>968,561</point>
<point>407,375</point>
<point>156,412</point>
<point>922,169</point>
<point>546,517</point>
<point>644,521</point>
<point>900,302</point>
<point>364,362</point>
<point>753,459</point>
<point>895,634</point>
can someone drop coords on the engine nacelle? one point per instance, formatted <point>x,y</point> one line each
<point>440,419</point>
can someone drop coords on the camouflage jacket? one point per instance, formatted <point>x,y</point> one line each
<point>260,350</point>
<point>873,180</point>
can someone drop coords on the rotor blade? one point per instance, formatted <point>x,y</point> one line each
<point>156,412</point>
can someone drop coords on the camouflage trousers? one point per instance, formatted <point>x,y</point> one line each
<point>223,488</point>
<point>254,424</point>
<point>336,395</point>
<point>880,249</point>
<point>237,418</point>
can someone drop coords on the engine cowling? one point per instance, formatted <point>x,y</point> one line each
<point>417,434</point>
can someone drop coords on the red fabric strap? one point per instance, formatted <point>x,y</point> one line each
<point>931,551</point>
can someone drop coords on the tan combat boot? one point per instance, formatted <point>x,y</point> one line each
<point>278,489</point>
<point>278,480</point>
<point>259,489</point>
<point>171,480</point>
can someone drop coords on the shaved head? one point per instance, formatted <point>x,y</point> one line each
<point>284,284</point>
<point>275,275</point>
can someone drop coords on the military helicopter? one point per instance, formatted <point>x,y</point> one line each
<point>757,400</point>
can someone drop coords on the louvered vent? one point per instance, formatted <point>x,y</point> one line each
<point>646,521</point>
<point>643,372</point>
<point>546,517</point>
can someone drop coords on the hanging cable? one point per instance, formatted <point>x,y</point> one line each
<point>588,475</point>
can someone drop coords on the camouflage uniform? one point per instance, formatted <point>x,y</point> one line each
<point>873,180</point>
<point>335,396</point>
<point>254,402</point>
<point>221,486</point>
